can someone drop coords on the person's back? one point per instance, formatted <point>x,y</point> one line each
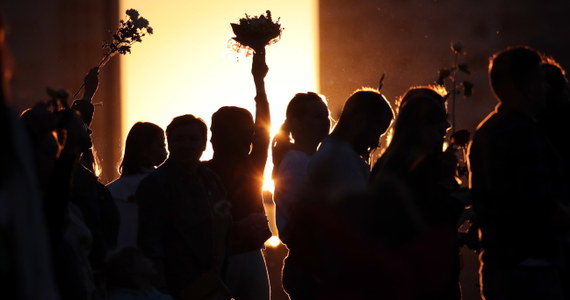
<point>517,184</point>
<point>412,190</point>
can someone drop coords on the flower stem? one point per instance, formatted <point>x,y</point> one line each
<point>454,92</point>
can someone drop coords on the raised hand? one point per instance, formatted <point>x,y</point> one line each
<point>259,68</point>
<point>91,83</point>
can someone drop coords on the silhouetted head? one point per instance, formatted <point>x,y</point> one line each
<point>422,118</point>
<point>518,79</point>
<point>145,148</point>
<point>187,136</point>
<point>558,88</point>
<point>307,118</point>
<point>307,123</point>
<point>232,131</point>
<point>366,115</point>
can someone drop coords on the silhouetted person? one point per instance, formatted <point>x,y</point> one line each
<point>240,154</point>
<point>554,121</point>
<point>129,275</point>
<point>413,188</point>
<point>86,110</point>
<point>517,184</point>
<point>27,271</point>
<point>307,123</point>
<point>70,239</point>
<point>145,149</point>
<point>184,218</point>
<point>316,239</point>
<point>92,197</point>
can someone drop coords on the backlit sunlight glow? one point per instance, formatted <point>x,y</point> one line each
<point>185,67</point>
<point>273,241</point>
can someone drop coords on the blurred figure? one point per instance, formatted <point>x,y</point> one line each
<point>130,275</point>
<point>414,188</point>
<point>145,149</point>
<point>184,218</point>
<point>316,238</point>
<point>240,154</point>
<point>518,186</point>
<point>26,270</point>
<point>307,123</point>
<point>554,121</point>
<point>71,240</point>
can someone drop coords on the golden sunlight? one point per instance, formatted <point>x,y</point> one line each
<point>186,66</point>
<point>273,241</point>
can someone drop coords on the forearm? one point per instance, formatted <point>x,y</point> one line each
<point>262,114</point>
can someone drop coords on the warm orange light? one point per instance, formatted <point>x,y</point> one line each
<point>273,241</point>
<point>186,67</point>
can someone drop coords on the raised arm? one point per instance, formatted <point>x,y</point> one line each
<point>84,105</point>
<point>261,138</point>
<point>91,82</point>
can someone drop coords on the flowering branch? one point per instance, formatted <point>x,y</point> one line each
<point>450,73</point>
<point>131,31</point>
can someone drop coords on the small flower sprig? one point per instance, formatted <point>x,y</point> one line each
<point>254,33</point>
<point>131,31</point>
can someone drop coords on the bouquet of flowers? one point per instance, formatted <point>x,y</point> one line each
<point>254,33</point>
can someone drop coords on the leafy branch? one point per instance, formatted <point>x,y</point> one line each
<point>449,74</point>
<point>130,31</point>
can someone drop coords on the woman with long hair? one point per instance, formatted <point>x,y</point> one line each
<point>145,149</point>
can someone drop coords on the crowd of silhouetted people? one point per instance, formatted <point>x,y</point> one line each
<point>356,225</point>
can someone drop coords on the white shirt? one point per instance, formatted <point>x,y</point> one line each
<point>334,171</point>
<point>291,178</point>
<point>123,191</point>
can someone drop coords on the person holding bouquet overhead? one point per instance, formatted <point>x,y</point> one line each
<point>240,147</point>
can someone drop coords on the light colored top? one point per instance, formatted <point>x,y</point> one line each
<point>334,171</point>
<point>123,190</point>
<point>291,178</point>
